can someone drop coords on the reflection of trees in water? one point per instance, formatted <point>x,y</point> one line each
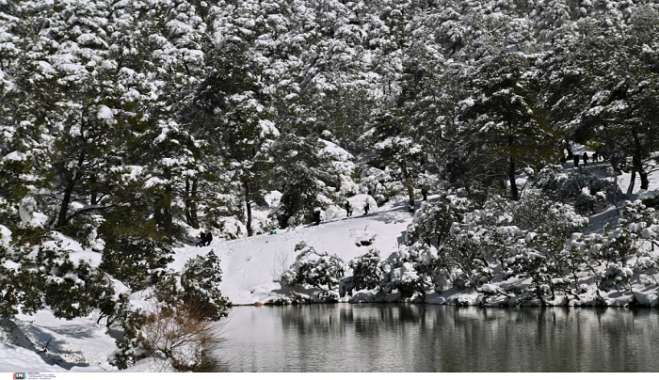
<point>456,339</point>
<point>362,319</point>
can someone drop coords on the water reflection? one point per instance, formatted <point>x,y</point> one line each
<point>435,338</point>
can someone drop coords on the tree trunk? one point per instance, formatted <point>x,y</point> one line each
<point>191,203</point>
<point>163,212</point>
<point>66,200</point>
<point>569,150</point>
<point>514,192</point>
<point>93,197</point>
<point>407,181</point>
<point>248,208</point>
<point>632,182</point>
<point>642,174</point>
<point>645,181</point>
<point>637,162</point>
<point>68,192</point>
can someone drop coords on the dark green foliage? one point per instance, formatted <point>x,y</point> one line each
<point>82,290</point>
<point>136,261</point>
<point>200,280</point>
<point>49,278</point>
<point>562,186</point>
<point>297,175</point>
<point>128,340</point>
<point>9,286</point>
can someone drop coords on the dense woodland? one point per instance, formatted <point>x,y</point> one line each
<point>129,126</point>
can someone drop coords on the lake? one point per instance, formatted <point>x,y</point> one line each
<point>345,337</point>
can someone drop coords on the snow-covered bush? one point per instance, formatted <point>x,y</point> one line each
<point>136,261</point>
<point>200,280</point>
<point>472,246</point>
<point>313,269</point>
<point>432,222</point>
<point>616,276</point>
<point>536,212</point>
<point>650,199</point>
<point>366,271</point>
<point>588,191</point>
<point>128,340</point>
<point>230,228</point>
<point>379,184</point>
<point>464,255</point>
<point>47,277</point>
<point>401,274</point>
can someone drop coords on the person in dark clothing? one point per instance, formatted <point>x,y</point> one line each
<point>367,207</point>
<point>424,193</point>
<point>348,207</point>
<point>585,158</point>
<point>202,240</point>
<point>575,159</point>
<point>316,216</point>
<point>209,238</point>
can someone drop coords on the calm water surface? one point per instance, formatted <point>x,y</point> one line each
<point>437,338</point>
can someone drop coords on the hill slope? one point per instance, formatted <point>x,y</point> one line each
<point>251,266</point>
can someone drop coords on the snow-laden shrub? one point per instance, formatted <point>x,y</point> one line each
<point>617,256</point>
<point>471,246</point>
<point>568,187</point>
<point>432,222</point>
<point>535,212</point>
<point>47,277</point>
<point>380,184</point>
<point>77,290</point>
<point>136,261</point>
<point>616,276</point>
<point>313,269</point>
<point>650,199</point>
<point>464,257</point>
<point>401,274</point>
<point>584,203</point>
<point>366,271</point>
<point>10,288</point>
<point>200,280</point>
<point>128,340</point>
<point>230,228</point>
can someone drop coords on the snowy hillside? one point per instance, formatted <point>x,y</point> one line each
<point>250,266</point>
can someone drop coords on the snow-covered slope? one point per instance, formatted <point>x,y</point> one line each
<point>42,342</point>
<point>251,266</point>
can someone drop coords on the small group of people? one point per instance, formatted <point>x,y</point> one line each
<point>205,239</point>
<point>596,157</point>
<point>317,212</point>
